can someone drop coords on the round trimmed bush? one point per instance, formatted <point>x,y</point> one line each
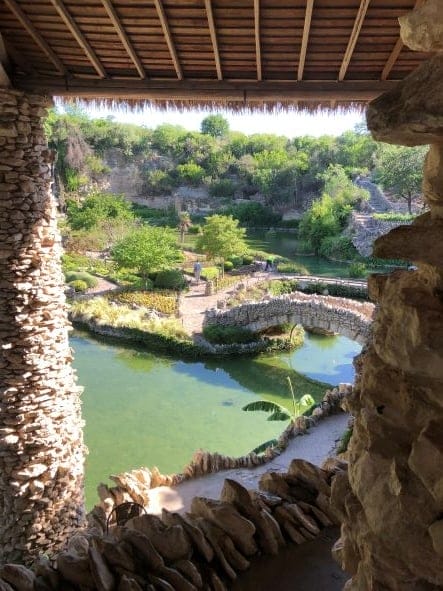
<point>228,265</point>
<point>78,285</point>
<point>248,259</point>
<point>170,279</point>
<point>89,279</point>
<point>236,261</point>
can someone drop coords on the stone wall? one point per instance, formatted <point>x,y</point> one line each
<point>392,504</point>
<point>206,548</point>
<point>339,315</point>
<point>41,449</point>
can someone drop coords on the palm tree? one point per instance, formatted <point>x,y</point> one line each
<point>184,224</point>
<point>280,413</point>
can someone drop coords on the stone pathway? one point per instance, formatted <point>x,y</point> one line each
<point>315,447</point>
<point>195,302</point>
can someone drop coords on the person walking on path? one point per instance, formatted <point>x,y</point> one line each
<point>197,271</point>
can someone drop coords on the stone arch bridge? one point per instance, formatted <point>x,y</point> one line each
<point>339,315</point>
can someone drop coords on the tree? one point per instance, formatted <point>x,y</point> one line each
<point>96,208</point>
<point>279,413</point>
<point>401,170</point>
<point>191,173</point>
<point>221,237</point>
<point>148,249</point>
<point>215,125</point>
<point>184,224</point>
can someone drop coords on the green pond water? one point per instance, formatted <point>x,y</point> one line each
<point>142,409</point>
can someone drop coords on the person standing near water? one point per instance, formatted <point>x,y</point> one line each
<point>197,271</point>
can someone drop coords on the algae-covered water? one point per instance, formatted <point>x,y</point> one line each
<point>142,409</point>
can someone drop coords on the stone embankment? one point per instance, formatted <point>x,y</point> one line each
<point>338,315</point>
<point>364,228</point>
<point>205,549</point>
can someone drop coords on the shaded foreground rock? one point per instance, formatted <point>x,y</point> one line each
<point>391,505</point>
<point>205,549</point>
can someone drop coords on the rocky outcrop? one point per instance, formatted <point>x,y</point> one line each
<point>204,549</point>
<point>365,229</point>
<point>41,442</point>
<point>392,503</point>
<point>339,315</point>
<point>422,29</point>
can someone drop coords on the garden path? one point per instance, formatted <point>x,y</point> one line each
<point>317,445</point>
<point>195,303</point>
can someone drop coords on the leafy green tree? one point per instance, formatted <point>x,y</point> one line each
<point>97,207</point>
<point>148,249</point>
<point>401,169</point>
<point>215,125</point>
<point>166,136</point>
<point>221,237</point>
<point>191,173</point>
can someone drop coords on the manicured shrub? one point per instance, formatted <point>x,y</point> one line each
<point>237,261</point>
<point>87,278</point>
<point>228,335</point>
<point>78,285</point>
<point>170,279</point>
<point>248,259</point>
<point>195,229</point>
<point>228,265</point>
<point>282,287</point>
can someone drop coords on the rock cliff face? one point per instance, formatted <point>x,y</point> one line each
<point>392,532</point>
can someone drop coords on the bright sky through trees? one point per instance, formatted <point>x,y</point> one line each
<point>288,124</point>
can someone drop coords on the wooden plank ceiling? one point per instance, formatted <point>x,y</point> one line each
<point>235,51</point>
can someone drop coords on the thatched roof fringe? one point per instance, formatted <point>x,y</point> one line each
<point>210,106</point>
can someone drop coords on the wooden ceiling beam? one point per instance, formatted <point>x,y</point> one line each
<point>213,32</point>
<point>32,31</point>
<point>305,39</point>
<point>393,56</point>
<point>167,33</point>
<point>353,38</point>
<point>79,37</point>
<point>112,13</point>
<point>206,90</point>
<point>257,38</point>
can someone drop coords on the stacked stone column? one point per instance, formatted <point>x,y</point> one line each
<point>392,507</point>
<point>41,445</point>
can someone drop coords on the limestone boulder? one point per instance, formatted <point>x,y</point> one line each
<point>227,518</point>
<point>419,242</point>
<point>20,577</point>
<point>426,458</point>
<point>433,179</point>
<point>267,536</point>
<point>128,584</point>
<point>411,114</point>
<point>436,534</point>
<point>198,540</point>
<point>422,29</point>
<point>170,542</point>
<point>102,575</point>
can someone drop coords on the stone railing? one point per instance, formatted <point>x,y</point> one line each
<point>338,315</point>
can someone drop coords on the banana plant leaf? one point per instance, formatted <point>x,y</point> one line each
<point>279,415</point>
<point>264,446</point>
<point>263,405</point>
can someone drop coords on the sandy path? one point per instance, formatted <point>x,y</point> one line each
<point>315,447</point>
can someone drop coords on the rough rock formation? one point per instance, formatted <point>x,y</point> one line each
<point>41,449</point>
<point>204,549</point>
<point>422,29</point>
<point>392,532</point>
